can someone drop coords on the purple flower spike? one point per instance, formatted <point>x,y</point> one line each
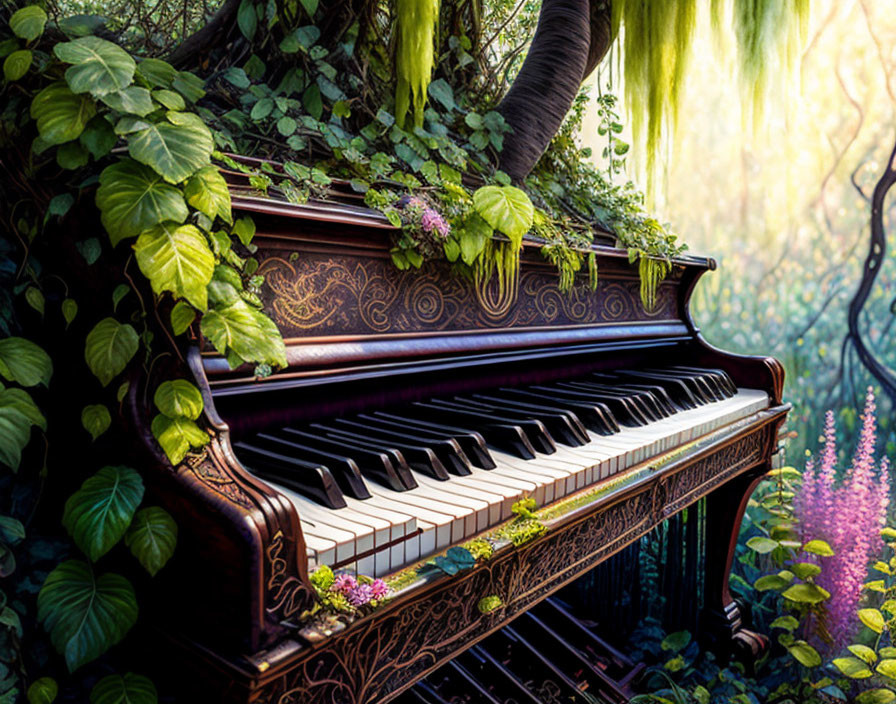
<point>360,595</point>
<point>344,583</point>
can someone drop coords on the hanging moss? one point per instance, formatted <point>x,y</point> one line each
<point>651,272</point>
<point>495,276</point>
<point>657,42</point>
<point>415,26</point>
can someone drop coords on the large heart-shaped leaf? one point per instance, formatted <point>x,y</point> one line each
<point>176,148</point>
<point>99,513</point>
<point>18,413</point>
<point>85,615</point>
<point>24,362</point>
<point>133,99</point>
<point>177,436</point>
<point>178,398</point>
<point>157,73</point>
<point>505,208</point>
<point>133,198</point>
<point>96,419</point>
<point>243,330</point>
<point>98,66</point>
<point>109,348</point>
<point>61,115</point>
<point>176,259</point>
<point>124,689</point>
<point>207,192</point>
<point>28,22</point>
<point>152,538</point>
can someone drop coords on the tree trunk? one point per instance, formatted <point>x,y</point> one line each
<point>571,38</point>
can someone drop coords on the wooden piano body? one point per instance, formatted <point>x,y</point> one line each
<point>361,334</point>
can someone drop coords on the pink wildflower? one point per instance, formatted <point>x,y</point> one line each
<point>433,223</point>
<point>344,583</point>
<point>378,589</point>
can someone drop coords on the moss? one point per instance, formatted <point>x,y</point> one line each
<point>480,548</point>
<point>416,25</point>
<point>487,604</point>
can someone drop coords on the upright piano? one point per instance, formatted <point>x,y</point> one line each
<point>411,420</point>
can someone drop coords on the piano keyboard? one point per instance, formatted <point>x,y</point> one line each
<point>381,490</point>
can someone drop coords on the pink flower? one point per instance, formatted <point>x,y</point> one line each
<point>378,589</point>
<point>433,223</point>
<point>344,583</point>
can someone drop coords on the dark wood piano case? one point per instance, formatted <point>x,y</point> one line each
<point>361,334</point>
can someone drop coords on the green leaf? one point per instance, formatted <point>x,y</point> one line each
<point>17,64</point>
<point>853,668</point>
<point>69,310</point>
<point>175,149</point>
<point>786,622</point>
<point>312,101</point>
<point>98,514</point>
<point>84,615</point>
<point>872,618</point>
<point>247,19</point>
<point>887,667</point>
<point>887,652</point>
<point>818,547</point>
<point>152,538</point>
<point>473,237</point>
<point>118,294</point>
<point>440,91</point>
<point>286,125</point>
<point>182,316</point>
<point>16,419</point>
<point>98,66</point>
<point>310,7</point>
<point>28,23</point>
<point>72,156</point>
<point>133,100</point>
<point>99,137</point>
<point>157,72</point>
<point>24,362</point>
<point>805,654</point>
<point>262,109</point>
<point>59,205</point>
<point>189,85</point>
<point>876,696</point>
<point>12,531</point>
<point>806,594</point>
<point>771,581</point>
<point>109,348</point>
<point>35,299</point>
<point>307,36</point>
<point>170,99</point>
<point>90,249</point>
<point>244,229</point>
<point>805,570</point>
<point>241,329</point>
<point>505,208</point>
<point>124,689</point>
<point>863,652</point>
<point>676,641</point>
<point>122,391</point>
<point>177,435</point>
<point>132,198</point>
<point>178,399</point>
<point>177,260</point>
<point>96,419</point>
<point>761,544</point>
<point>43,691</point>
<point>61,115</point>
<point>207,191</point>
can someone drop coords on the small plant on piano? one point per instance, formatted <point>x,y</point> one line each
<point>345,594</point>
<point>525,527</point>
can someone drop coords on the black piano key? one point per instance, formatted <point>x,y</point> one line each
<point>622,410</point>
<point>507,437</point>
<point>678,390</point>
<point>719,380</point>
<point>596,417</point>
<point>344,469</point>
<point>648,404</point>
<point>447,450</point>
<point>471,442</point>
<point>419,458</point>
<point>563,425</point>
<point>707,383</point>
<point>374,465</point>
<point>307,478</point>
<point>659,395</point>
<point>538,434</point>
<point>697,389</point>
<point>638,399</point>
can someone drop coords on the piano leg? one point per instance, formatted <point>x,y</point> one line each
<point>723,623</point>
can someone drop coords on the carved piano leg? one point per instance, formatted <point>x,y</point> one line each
<point>722,622</point>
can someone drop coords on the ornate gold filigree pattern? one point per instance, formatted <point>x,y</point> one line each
<point>322,295</point>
